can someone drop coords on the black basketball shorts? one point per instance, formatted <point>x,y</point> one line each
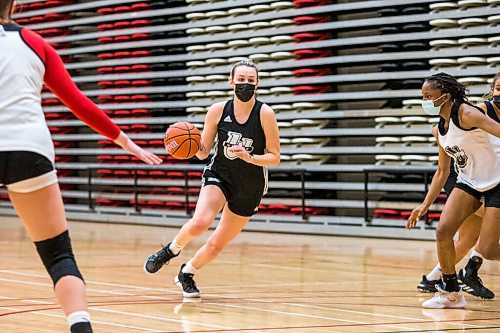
<point>240,201</point>
<point>25,171</point>
<point>490,198</point>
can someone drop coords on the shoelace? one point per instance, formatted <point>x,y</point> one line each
<point>161,254</point>
<point>189,282</point>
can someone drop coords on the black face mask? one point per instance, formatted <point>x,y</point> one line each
<point>244,91</point>
<point>496,100</point>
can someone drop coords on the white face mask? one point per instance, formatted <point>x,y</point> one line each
<point>429,107</point>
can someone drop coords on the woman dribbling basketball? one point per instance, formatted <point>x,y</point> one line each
<point>246,139</point>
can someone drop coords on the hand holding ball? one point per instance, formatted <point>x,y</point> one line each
<point>182,140</point>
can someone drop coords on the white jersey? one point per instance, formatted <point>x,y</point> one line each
<point>476,153</point>
<point>26,62</point>
<point>22,122</point>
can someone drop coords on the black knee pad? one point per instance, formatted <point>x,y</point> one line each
<point>57,256</point>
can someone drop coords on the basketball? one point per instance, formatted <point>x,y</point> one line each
<point>182,140</point>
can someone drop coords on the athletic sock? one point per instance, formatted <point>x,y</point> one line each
<point>175,248</point>
<point>435,274</point>
<point>79,321</point>
<point>189,268</point>
<point>474,264</point>
<point>450,282</point>
<point>474,253</point>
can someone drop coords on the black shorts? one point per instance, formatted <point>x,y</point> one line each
<point>490,198</point>
<point>19,166</point>
<point>242,202</point>
<point>450,184</point>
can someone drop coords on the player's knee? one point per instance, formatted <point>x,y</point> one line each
<point>57,256</point>
<point>444,231</point>
<point>213,248</point>
<point>199,225</point>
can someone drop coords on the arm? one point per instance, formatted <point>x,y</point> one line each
<point>271,157</point>
<point>60,83</point>
<point>438,180</point>
<point>470,117</point>
<point>210,130</point>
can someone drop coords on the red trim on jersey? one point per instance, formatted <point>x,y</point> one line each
<point>60,83</point>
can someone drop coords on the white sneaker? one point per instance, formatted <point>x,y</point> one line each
<point>445,300</point>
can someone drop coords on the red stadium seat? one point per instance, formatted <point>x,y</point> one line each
<point>311,54</point>
<point>304,72</point>
<point>140,6</point>
<point>105,11</point>
<point>310,37</point>
<point>301,90</point>
<point>105,26</point>
<point>121,9</point>
<point>301,20</point>
<point>310,3</point>
<point>121,25</point>
<point>141,68</point>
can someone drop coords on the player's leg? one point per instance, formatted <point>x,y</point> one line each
<point>458,207</point>
<point>468,278</point>
<point>210,202</point>
<point>490,231</point>
<point>228,228</point>
<point>468,236</point>
<point>42,213</point>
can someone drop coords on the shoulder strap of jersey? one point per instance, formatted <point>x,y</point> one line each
<point>256,108</point>
<point>455,109</point>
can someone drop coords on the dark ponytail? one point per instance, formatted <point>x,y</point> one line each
<point>448,84</point>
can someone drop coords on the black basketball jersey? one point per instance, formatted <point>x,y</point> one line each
<point>238,174</point>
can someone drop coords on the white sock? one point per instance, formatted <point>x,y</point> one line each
<point>189,268</point>
<point>175,248</point>
<point>435,274</point>
<point>78,317</point>
<point>474,253</point>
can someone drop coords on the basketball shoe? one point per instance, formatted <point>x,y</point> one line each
<point>471,283</point>
<point>157,260</point>
<point>445,300</point>
<point>82,327</point>
<point>428,286</point>
<point>185,280</point>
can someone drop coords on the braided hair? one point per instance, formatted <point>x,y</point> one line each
<point>489,95</point>
<point>448,84</point>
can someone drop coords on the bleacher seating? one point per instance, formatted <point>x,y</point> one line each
<point>343,76</point>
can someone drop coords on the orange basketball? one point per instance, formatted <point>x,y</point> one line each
<point>182,140</point>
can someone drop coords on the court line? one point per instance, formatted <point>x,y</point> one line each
<point>329,326</point>
<point>366,313</point>
<point>227,305</point>
<point>442,330</point>
<point>93,321</point>
<point>214,287</point>
<point>302,315</point>
<point>106,310</point>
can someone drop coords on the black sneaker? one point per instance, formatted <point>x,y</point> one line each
<point>472,284</point>
<point>185,280</point>
<point>83,327</point>
<point>157,260</point>
<point>428,286</point>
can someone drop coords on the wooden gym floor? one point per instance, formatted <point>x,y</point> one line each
<point>260,283</point>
